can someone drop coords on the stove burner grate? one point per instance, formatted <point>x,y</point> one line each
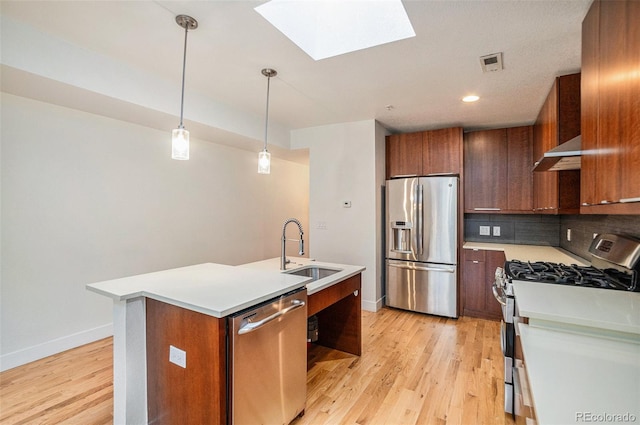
<point>563,274</point>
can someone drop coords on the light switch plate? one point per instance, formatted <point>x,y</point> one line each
<point>485,230</point>
<point>178,356</point>
<point>496,230</point>
<point>346,204</point>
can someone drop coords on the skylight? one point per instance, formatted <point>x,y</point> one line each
<point>327,28</point>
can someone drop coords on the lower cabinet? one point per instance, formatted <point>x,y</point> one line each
<point>338,309</point>
<point>196,394</point>
<point>479,267</point>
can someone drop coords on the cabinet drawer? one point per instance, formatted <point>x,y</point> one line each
<point>474,255</point>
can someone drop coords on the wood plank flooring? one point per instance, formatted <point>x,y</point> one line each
<point>73,387</point>
<point>414,369</point>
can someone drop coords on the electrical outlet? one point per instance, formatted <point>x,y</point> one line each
<point>321,225</point>
<point>485,230</point>
<point>496,230</point>
<point>569,235</point>
<point>178,356</point>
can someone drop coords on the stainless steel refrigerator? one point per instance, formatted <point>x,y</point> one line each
<point>422,244</point>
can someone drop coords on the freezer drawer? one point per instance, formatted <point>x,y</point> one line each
<point>268,361</point>
<point>422,287</point>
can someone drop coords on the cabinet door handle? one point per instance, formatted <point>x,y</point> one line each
<point>475,261</point>
<point>486,209</point>
<point>626,200</point>
<point>403,176</point>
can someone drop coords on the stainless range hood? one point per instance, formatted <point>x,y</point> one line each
<point>563,157</point>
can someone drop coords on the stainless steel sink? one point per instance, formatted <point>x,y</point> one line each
<point>314,272</point>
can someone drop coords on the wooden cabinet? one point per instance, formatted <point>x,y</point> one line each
<point>485,165</point>
<point>557,192</point>
<point>442,151</point>
<point>611,108</point>
<point>339,313</point>
<point>479,267</point>
<point>519,155</point>
<point>404,155</point>
<point>497,168</point>
<point>424,153</point>
<point>196,394</point>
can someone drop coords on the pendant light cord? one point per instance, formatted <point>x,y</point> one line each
<point>184,65</point>
<point>266,121</point>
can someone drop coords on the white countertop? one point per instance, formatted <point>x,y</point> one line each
<point>213,289</point>
<point>273,265</point>
<point>605,309</point>
<point>571,375</point>
<point>219,290</point>
<point>530,252</point>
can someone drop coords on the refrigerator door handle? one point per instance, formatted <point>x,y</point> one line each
<point>420,268</point>
<point>420,213</point>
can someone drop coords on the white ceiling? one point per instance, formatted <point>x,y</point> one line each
<point>422,77</point>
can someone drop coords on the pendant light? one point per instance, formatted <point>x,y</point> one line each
<point>264,157</point>
<point>180,136</point>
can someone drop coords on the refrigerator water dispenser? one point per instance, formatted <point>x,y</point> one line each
<point>401,231</point>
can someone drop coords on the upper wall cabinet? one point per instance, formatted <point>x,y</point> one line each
<point>557,192</point>
<point>424,153</point>
<point>611,108</point>
<point>442,151</point>
<point>497,168</point>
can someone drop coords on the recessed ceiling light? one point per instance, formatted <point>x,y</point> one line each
<point>326,28</point>
<point>470,98</point>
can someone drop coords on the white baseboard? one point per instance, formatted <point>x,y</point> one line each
<point>55,346</point>
<point>372,305</point>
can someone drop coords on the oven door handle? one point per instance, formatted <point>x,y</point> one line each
<point>503,336</point>
<point>501,299</point>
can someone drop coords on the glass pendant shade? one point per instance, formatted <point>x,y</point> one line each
<point>264,162</point>
<point>180,144</point>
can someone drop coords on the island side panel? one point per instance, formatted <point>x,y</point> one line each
<point>129,362</point>
<point>339,315</point>
<point>197,393</point>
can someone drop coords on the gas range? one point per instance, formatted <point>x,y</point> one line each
<point>615,264</point>
<point>572,275</point>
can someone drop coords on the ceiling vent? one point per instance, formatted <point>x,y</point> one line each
<point>491,63</point>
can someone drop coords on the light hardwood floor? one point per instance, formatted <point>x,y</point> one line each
<point>414,369</point>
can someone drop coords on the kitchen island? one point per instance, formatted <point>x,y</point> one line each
<point>198,298</point>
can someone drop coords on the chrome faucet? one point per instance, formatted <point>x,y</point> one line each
<point>283,256</point>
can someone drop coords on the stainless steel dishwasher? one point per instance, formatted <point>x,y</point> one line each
<point>268,361</point>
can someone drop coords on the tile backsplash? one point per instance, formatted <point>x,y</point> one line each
<point>549,230</point>
<point>584,226</point>
<point>524,229</point>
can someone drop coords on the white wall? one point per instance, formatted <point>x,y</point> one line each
<point>87,198</point>
<point>346,163</point>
